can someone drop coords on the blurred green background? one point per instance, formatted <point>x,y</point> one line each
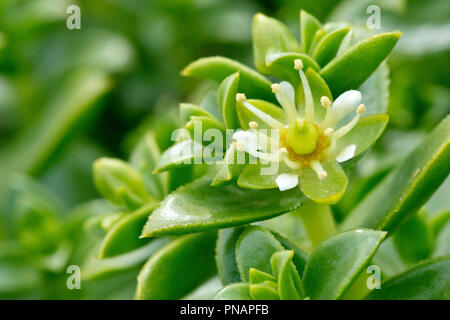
<point>68,97</point>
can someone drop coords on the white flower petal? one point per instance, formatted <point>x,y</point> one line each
<point>347,102</point>
<point>286,181</point>
<point>347,153</point>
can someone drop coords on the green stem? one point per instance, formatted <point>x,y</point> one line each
<point>318,221</point>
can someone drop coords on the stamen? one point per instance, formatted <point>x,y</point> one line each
<point>309,104</point>
<point>349,126</point>
<point>298,64</point>
<point>344,104</point>
<point>275,88</point>
<point>325,102</point>
<point>253,125</point>
<point>272,122</point>
<point>284,156</point>
<point>328,132</point>
<point>317,167</point>
<point>285,94</point>
<point>240,97</point>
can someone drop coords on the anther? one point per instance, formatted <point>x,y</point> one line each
<point>253,125</point>
<point>328,131</point>
<point>298,64</point>
<point>275,88</point>
<point>361,109</point>
<point>240,97</point>
<point>325,102</point>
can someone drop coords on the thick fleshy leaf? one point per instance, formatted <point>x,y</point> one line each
<point>290,286</point>
<point>254,249</point>
<point>318,36</point>
<point>235,291</point>
<point>257,276</point>
<point>351,68</point>
<point>329,45</point>
<point>414,239</point>
<point>266,290</point>
<point>187,110</point>
<point>337,262</point>
<point>300,257</point>
<point>251,82</point>
<point>226,255</point>
<point>210,105</point>
<point>247,114</point>
<point>328,190</point>
<point>144,158</point>
<point>202,124</point>
<point>270,36</point>
<point>226,98</point>
<point>124,234</point>
<point>408,187</point>
<point>232,166</point>
<point>184,153</point>
<point>281,65</point>
<point>429,280</point>
<point>95,267</point>
<point>375,91</point>
<point>442,247</point>
<point>319,88</point>
<point>364,134</point>
<point>308,28</point>
<point>178,268</point>
<point>198,206</point>
<point>120,183</point>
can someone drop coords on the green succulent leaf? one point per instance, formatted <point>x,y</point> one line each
<point>408,187</point>
<point>309,25</point>
<point>188,110</point>
<point>262,110</point>
<point>144,158</point>
<point>96,268</point>
<point>181,154</point>
<point>226,255</point>
<point>266,290</point>
<point>198,206</point>
<point>290,286</point>
<point>123,236</point>
<point>270,35</point>
<point>254,249</point>
<point>300,257</point>
<point>324,191</point>
<point>351,68</point>
<point>336,263</point>
<point>429,280</point>
<point>364,134</point>
<point>120,183</point>
<point>235,291</point>
<point>256,276</point>
<point>414,239</point>
<point>226,98</point>
<point>442,241</point>
<point>178,268</point>
<point>281,65</point>
<point>232,166</point>
<point>329,45</point>
<point>251,82</point>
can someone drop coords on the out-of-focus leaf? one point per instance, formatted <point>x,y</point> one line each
<point>198,206</point>
<point>414,239</point>
<point>251,82</point>
<point>309,25</point>
<point>226,98</point>
<point>178,268</point>
<point>184,153</point>
<point>429,280</point>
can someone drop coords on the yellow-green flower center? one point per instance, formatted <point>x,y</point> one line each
<point>302,137</point>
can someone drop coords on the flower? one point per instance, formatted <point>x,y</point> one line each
<point>309,147</point>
